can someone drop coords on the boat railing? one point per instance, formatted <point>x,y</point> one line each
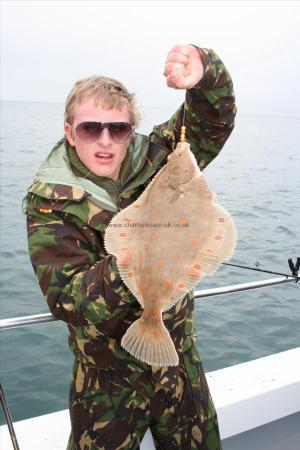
<point>16,322</point>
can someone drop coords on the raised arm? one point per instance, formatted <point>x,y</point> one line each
<point>209,104</point>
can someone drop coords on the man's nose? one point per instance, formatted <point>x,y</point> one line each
<point>104,138</point>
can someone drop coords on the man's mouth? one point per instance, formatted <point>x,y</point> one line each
<point>104,156</point>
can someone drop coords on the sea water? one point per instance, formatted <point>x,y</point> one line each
<point>256,178</point>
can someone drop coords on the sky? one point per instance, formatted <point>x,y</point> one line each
<point>47,45</point>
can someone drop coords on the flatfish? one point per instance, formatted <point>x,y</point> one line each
<point>173,235</point>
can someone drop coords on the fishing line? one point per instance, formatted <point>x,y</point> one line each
<point>183,127</point>
<point>183,118</point>
<point>293,275</point>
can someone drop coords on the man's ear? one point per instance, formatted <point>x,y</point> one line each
<point>69,134</point>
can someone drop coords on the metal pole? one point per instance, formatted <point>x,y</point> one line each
<point>243,287</point>
<point>8,420</point>
<point>6,324</point>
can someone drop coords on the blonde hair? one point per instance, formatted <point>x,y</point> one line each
<point>107,91</point>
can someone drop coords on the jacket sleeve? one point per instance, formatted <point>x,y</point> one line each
<point>209,111</point>
<point>81,285</point>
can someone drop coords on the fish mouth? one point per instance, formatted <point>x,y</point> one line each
<point>181,150</point>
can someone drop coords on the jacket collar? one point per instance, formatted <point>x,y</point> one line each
<point>56,180</point>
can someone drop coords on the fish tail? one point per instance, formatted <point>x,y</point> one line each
<point>151,343</point>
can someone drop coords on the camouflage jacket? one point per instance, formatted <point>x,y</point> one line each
<point>67,216</point>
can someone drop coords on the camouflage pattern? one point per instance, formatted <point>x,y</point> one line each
<point>80,281</point>
<point>180,414</point>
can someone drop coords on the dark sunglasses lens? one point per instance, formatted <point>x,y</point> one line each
<point>119,131</point>
<point>89,131</point>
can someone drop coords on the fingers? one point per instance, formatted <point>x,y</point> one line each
<point>181,49</point>
<point>176,60</point>
<point>184,67</point>
<point>174,67</point>
<point>176,79</point>
<point>177,67</point>
<point>177,57</point>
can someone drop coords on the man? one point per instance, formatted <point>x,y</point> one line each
<point>100,167</point>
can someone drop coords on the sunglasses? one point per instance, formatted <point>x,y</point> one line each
<point>89,132</point>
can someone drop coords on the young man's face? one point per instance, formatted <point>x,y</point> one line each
<point>93,154</point>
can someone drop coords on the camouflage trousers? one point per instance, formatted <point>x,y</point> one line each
<point>107,412</point>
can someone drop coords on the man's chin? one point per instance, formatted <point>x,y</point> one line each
<point>103,172</point>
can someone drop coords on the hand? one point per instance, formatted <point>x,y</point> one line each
<point>183,67</point>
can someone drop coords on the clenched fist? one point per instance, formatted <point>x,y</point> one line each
<point>183,67</point>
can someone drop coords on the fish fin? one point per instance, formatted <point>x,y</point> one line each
<point>117,233</point>
<point>173,300</point>
<point>151,344</point>
<point>117,242</point>
<point>129,280</point>
<point>220,244</point>
<point>218,247</point>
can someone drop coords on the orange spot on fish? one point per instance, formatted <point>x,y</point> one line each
<point>130,274</point>
<point>198,266</point>
<point>123,234</point>
<point>154,333</point>
<point>180,286</point>
<point>184,221</point>
<point>194,241</point>
<point>218,238</point>
<point>153,237</point>
<point>174,238</point>
<point>221,219</point>
<point>149,269</point>
<point>126,219</point>
<point>142,290</point>
<point>136,206</point>
<point>161,261</point>
<point>169,284</point>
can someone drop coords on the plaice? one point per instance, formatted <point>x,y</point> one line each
<point>173,235</point>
